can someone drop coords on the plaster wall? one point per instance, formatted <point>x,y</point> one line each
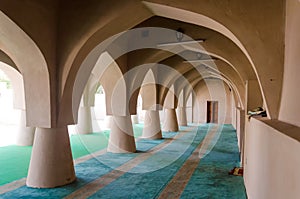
<point>253,95</point>
<point>290,109</point>
<point>272,160</point>
<point>233,111</point>
<point>240,127</point>
<point>212,90</point>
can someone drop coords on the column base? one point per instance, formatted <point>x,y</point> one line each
<point>121,139</point>
<point>152,128</point>
<point>51,163</point>
<point>170,123</point>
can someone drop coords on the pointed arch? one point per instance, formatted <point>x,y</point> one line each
<point>16,80</point>
<point>30,61</point>
<point>270,90</point>
<point>149,91</point>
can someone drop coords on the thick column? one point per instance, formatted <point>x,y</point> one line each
<point>182,116</point>
<point>134,119</point>
<point>25,134</point>
<point>170,123</point>
<point>121,139</point>
<point>51,163</point>
<point>152,128</point>
<point>84,125</point>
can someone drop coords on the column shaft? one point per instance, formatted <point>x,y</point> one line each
<point>51,163</point>
<point>84,125</point>
<point>170,123</point>
<point>152,128</point>
<point>121,139</point>
<point>182,116</point>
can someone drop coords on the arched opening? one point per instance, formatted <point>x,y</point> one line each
<point>15,138</point>
<point>8,122</point>
<point>19,47</point>
<point>13,106</point>
<point>249,57</point>
<point>272,100</point>
<point>100,108</point>
<point>90,134</point>
<point>139,109</point>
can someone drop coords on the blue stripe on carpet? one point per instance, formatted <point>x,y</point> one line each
<point>86,172</point>
<point>148,185</point>
<point>211,179</point>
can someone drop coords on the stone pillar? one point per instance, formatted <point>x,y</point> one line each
<point>134,119</point>
<point>152,128</point>
<point>84,125</point>
<point>25,135</point>
<point>121,139</point>
<point>51,163</point>
<point>170,123</point>
<point>182,121</point>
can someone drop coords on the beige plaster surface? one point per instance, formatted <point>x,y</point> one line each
<point>271,160</point>
<point>121,139</point>
<point>213,90</point>
<point>170,120</point>
<point>182,117</point>
<point>289,108</point>
<point>152,129</point>
<point>25,135</point>
<point>85,122</point>
<point>51,163</point>
<point>56,57</point>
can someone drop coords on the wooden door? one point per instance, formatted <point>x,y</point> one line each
<point>212,112</point>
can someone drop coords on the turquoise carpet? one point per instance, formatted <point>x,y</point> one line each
<point>14,160</point>
<point>211,179</point>
<point>85,172</point>
<point>138,183</point>
<point>150,176</point>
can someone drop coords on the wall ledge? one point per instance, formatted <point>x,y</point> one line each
<point>287,129</point>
